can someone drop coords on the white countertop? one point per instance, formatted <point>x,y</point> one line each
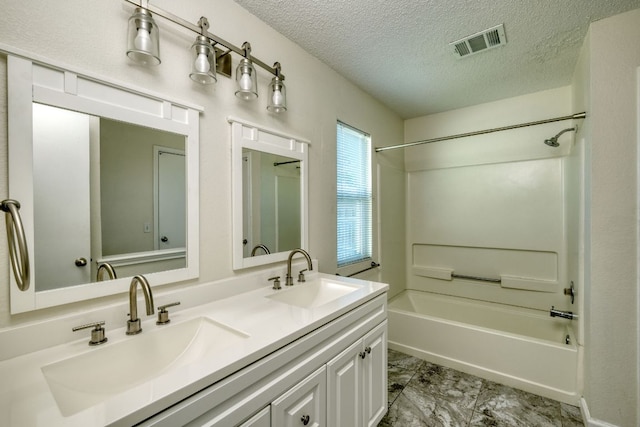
<point>26,399</point>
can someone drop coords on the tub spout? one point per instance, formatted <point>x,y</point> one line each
<point>564,314</point>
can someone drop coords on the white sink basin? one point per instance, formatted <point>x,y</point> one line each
<point>313,294</point>
<point>85,380</point>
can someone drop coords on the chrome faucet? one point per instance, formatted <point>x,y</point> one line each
<point>133,324</point>
<point>289,278</point>
<point>105,266</point>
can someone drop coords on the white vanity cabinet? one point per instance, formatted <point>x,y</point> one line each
<point>303,405</point>
<point>357,382</point>
<point>304,378</point>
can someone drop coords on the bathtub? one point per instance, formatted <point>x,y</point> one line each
<point>518,347</point>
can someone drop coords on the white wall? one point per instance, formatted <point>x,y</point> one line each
<point>605,83</point>
<point>578,250</point>
<point>507,146</point>
<point>91,36</point>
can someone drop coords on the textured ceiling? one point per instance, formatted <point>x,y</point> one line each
<point>398,51</point>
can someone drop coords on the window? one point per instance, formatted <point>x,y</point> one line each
<point>353,195</point>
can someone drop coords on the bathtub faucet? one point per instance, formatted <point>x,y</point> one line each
<point>564,314</point>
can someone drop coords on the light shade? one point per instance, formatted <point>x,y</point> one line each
<point>246,80</point>
<point>143,45</point>
<point>277,95</point>
<point>203,61</point>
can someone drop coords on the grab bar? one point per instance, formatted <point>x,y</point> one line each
<point>564,314</point>
<point>373,265</point>
<point>17,243</point>
<point>482,279</point>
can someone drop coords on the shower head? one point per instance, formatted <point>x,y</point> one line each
<point>553,141</point>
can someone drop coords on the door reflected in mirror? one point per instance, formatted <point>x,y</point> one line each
<point>105,191</point>
<point>271,190</point>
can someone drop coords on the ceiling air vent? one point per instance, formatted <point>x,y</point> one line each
<point>478,42</point>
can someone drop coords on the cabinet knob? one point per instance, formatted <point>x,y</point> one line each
<point>368,350</point>
<point>362,354</point>
<point>305,419</point>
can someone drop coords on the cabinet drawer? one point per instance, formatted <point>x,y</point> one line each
<point>261,419</point>
<point>304,404</point>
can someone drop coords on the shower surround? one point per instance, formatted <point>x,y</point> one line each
<point>490,247</point>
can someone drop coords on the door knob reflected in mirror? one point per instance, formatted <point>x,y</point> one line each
<point>81,262</point>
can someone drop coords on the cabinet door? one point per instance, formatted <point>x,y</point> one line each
<point>261,419</point>
<point>344,385</point>
<point>303,405</point>
<point>375,375</point>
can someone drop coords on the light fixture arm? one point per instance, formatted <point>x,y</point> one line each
<point>203,23</point>
<point>203,30</point>
<point>246,50</point>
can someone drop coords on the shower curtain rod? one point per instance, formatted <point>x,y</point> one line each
<point>482,132</point>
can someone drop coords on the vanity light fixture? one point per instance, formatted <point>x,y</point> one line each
<point>143,39</point>
<point>210,55</point>
<point>246,76</point>
<point>203,65</point>
<point>277,92</point>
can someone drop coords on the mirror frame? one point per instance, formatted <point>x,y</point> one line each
<point>255,137</point>
<point>31,79</point>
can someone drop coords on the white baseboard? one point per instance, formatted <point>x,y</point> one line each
<point>586,417</point>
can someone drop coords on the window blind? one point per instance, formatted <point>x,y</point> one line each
<point>353,195</point>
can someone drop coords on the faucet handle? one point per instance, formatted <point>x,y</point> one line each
<point>97,334</point>
<point>276,282</point>
<point>163,314</point>
<point>301,276</point>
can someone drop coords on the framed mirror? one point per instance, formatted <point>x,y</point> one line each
<point>270,197</point>
<point>106,175</point>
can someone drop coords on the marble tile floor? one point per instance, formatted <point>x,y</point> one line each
<point>425,394</point>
